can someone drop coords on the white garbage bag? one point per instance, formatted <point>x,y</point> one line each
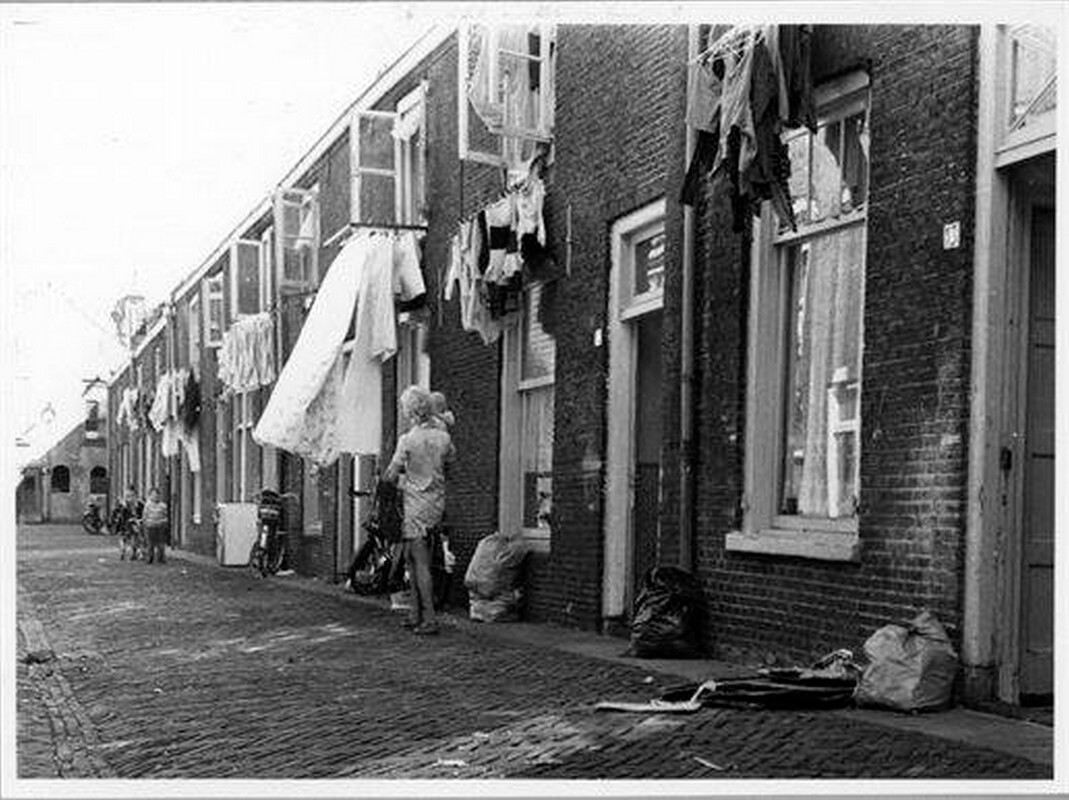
<point>493,577</point>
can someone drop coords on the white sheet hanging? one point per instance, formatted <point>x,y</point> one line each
<point>326,402</point>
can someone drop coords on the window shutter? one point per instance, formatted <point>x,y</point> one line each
<point>296,239</point>
<point>246,276</point>
<point>214,321</point>
<point>375,190</point>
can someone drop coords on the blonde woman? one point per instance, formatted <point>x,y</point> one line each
<point>419,462</point>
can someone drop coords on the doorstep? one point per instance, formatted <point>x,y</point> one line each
<point>1017,737</point>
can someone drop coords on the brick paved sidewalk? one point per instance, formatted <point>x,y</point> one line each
<point>189,670</point>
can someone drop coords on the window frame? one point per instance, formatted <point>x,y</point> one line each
<point>764,529</point>
<point>547,88</point>
<point>510,454</point>
<point>242,422</point>
<point>214,295</point>
<point>357,214</point>
<point>193,329</point>
<point>283,198</point>
<point>235,277</point>
<point>636,227</point>
<point>408,211</point>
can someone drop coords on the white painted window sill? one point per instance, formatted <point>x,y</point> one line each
<point>818,545</point>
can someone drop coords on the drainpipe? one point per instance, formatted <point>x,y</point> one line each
<point>686,376</point>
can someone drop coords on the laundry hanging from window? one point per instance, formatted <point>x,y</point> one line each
<point>326,401</point>
<point>168,416</point>
<point>744,96</point>
<point>495,253</point>
<point>247,355</point>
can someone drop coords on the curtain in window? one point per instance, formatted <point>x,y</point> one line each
<point>829,321</point>
<point>537,456</point>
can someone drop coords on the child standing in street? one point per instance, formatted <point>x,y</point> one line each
<point>419,462</point>
<point>155,522</point>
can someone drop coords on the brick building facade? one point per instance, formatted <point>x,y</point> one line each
<point>812,504</point>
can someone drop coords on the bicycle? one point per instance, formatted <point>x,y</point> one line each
<point>269,550</point>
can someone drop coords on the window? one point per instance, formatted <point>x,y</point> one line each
<point>194,329</point>
<point>98,480</point>
<point>248,279</point>
<point>61,479</point>
<point>506,100</point>
<point>246,453</point>
<point>527,419</point>
<point>413,362</point>
<point>296,239</point>
<point>388,154</point>
<point>92,420</point>
<point>375,154</point>
<point>410,133</point>
<point>214,311</point>
<point>1033,63</point>
<point>642,261</point>
<point>806,342</point>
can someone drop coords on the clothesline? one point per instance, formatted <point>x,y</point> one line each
<point>731,41</point>
<point>348,229</point>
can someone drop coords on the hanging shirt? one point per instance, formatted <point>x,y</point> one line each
<point>474,314</point>
<point>735,103</point>
<point>360,412</point>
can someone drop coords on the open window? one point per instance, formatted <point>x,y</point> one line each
<point>296,239</point>
<point>193,330</point>
<point>506,75</point>
<point>410,135</point>
<point>376,191</point>
<point>214,312</point>
<point>248,278</point>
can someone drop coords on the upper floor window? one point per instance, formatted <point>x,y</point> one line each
<point>804,386</point>
<point>193,329</point>
<point>250,278</point>
<point>1033,71</point>
<point>296,239</point>
<point>214,311</point>
<point>92,418</point>
<point>389,158</point>
<point>507,97</point>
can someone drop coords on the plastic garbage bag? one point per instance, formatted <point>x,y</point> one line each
<point>503,608</point>
<point>911,667</point>
<point>495,565</point>
<point>493,578</point>
<point>663,623</point>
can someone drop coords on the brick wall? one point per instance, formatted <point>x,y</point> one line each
<point>619,118</point>
<point>914,379</point>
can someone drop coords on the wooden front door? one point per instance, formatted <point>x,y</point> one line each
<point>1037,517</point>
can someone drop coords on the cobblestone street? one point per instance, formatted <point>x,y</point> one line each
<point>191,671</point>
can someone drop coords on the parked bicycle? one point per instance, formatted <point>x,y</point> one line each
<point>269,550</point>
<point>92,521</point>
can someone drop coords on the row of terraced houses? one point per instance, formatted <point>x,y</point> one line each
<point>832,424</point>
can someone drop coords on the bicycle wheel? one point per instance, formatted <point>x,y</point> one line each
<point>258,559</point>
<point>275,555</point>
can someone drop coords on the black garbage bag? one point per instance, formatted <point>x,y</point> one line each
<point>665,613</point>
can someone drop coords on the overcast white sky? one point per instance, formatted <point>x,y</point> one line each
<point>133,137</point>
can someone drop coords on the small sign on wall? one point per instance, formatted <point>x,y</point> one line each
<point>952,236</point>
